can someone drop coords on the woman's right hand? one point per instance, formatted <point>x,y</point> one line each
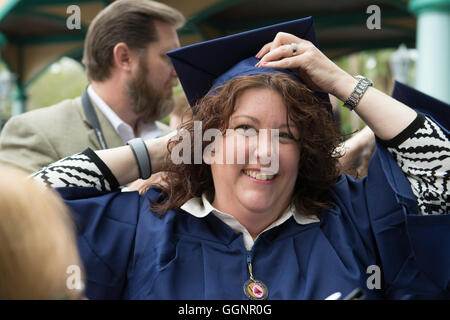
<point>122,162</point>
<point>158,152</point>
<point>142,186</point>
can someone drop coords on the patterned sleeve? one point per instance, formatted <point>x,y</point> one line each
<point>84,169</point>
<point>422,151</point>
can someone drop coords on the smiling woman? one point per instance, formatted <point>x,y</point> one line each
<point>246,229</point>
<point>244,107</point>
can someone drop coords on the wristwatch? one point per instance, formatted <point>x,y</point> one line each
<point>358,92</point>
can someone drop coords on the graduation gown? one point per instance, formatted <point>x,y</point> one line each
<point>131,252</point>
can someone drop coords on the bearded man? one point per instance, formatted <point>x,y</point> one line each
<point>131,81</point>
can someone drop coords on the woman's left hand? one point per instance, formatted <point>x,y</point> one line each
<point>315,69</point>
<point>385,116</point>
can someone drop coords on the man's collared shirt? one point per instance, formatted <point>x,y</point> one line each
<point>125,131</point>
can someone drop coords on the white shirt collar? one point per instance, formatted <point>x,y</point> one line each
<point>201,207</point>
<point>124,130</point>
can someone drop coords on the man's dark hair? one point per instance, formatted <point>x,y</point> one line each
<point>127,21</point>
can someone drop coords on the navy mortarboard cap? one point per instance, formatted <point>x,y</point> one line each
<point>423,103</point>
<point>205,65</point>
<point>245,68</point>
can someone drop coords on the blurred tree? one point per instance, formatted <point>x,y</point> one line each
<point>64,79</point>
<point>374,65</point>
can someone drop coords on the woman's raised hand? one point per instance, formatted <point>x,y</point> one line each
<point>385,116</point>
<point>315,69</point>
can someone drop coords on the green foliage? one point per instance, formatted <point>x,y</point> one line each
<point>166,120</point>
<point>373,64</point>
<point>65,79</point>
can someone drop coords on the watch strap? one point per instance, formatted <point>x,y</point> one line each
<point>142,157</point>
<point>359,90</point>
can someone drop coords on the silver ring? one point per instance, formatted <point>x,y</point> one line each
<point>294,48</point>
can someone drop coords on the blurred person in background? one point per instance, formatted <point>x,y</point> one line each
<point>38,252</point>
<point>356,150</point>
<point>181,112</point>
<point>356,153</point>
<point>131,81</point>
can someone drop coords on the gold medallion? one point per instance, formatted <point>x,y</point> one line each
<point>255,290</point>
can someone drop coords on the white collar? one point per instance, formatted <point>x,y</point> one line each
<point>201,207</point>
<point>124,130</point>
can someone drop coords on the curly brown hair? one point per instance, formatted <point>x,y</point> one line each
<point>318,139</point>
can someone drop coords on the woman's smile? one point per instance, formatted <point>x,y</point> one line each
<point>257,176</point>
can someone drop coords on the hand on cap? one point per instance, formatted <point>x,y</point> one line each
<point>287,51</point>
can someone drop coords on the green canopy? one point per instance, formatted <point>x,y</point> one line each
<point>33,34</point>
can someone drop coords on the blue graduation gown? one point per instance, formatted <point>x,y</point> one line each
<point>131,252</point>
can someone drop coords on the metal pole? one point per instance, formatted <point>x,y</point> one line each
<point>433,45</point>
<point>19,101</point>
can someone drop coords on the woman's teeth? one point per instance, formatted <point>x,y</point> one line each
<point>259,176</point>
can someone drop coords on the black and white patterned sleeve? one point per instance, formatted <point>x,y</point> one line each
<point>422,151</point>
<point>84,169</point>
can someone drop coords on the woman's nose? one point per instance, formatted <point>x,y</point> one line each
<point>266,146</point>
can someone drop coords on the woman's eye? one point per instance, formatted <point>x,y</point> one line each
<point>286,135</point>
<point>246,130</point>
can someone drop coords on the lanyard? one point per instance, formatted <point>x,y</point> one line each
<point>93,119</point>
<point>254,289</point>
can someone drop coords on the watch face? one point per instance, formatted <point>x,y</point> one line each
<point>360,77</point>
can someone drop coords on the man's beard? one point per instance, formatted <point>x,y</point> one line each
<point>148,103</point>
